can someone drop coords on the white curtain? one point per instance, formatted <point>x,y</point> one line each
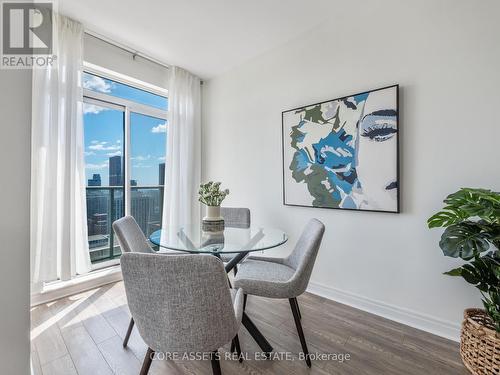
<point>59,247</point>
<point>183,154</point>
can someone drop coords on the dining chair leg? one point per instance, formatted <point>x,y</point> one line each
<point>215,363</point>
<point>245,296</point>
<point>235,269</point>
<point>129,331</point>
<point>298,324</point>
<point>256,335</point>
<point>147,361</point>
<point>237,346</point>
<point>298,309</point>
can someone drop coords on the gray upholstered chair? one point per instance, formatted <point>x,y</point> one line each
<point>131,240</point>
<point>130,236</point>
<point>284,277</point>
<point>234,217</point>
<point>181,303</point>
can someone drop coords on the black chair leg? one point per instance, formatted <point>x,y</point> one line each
<point>233,346</point>
<point>215,363</point>
<point>129,331</point>
<point>257,335</point>
<point>245,296</point>
<point>298,309</point>
<point>235,269</point>
<point>236,343</point>
<point>298,324</point>
<point>147,361</point>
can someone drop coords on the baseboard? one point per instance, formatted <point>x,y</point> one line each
<point>79,284</point>
<point>408,317</point>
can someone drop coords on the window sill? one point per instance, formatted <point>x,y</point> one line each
<point>60,289</point>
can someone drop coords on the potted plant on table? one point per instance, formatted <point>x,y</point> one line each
<point>472,221</point>
<point>212,196</point>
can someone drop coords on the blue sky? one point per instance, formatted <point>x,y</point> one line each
<point>103,131</point>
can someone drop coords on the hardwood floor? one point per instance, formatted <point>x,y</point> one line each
<point>83,334</point>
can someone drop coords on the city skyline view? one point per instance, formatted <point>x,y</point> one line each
<point>104,140</point>
<point>104,133</point>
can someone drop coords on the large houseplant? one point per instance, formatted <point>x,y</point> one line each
<point>472,221</point>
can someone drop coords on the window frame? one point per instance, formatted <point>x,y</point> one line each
<point>129,107</point>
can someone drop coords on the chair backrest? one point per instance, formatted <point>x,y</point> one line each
<point>235,217</point>
<point>179,302</point>
<point>303,256</point>
<point>130,236</point>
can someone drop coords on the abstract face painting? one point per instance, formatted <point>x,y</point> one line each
<point>343,153</point>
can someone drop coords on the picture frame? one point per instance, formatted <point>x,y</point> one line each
<point>343,153</point>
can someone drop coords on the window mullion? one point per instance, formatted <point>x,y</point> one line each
<point>127,162</point>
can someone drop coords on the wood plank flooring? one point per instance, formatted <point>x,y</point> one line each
<point>82,334</point>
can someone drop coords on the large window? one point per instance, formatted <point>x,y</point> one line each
<point>125,141</point>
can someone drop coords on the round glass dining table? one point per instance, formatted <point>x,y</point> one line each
<point>230,240</point>
<point>238,242</point>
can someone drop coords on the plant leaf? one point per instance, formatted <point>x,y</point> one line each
<point>463,240</point>
<point>454,272</point>
<point>445,218</point>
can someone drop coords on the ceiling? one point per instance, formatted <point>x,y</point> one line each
<point>207,37</point>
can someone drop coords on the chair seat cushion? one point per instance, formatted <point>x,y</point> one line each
<point>265,279</point>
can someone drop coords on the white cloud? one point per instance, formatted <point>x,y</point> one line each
<point>102,146</point>
<point>95,83</point>
<point>141,157</point>
<point>116,153</point>
<point>97,166</point>
<point>161,158</point>
<point>88,153</point>
<point>92,109</point>
<point>160,128</point>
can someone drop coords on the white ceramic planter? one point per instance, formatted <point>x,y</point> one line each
<point>212,213</point>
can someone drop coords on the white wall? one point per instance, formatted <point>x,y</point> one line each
<point>15,157</point>
<point>446,57</point>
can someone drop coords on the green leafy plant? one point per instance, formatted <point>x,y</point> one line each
<point>211,195</point>
<point>472,221</point>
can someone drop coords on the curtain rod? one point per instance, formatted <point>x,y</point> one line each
<point>123,47</point>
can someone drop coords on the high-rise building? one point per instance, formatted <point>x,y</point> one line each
<point>161,173</point>
<point>155,207</point>
<point>141,210</point>
<point>133,182</point>
<point>100,208</point>
<point>95,180</point>
<point>97,203</point>
<point>100,223</point>
<point>115,171</point>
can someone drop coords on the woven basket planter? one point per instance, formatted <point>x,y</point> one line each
<point>479,343</point>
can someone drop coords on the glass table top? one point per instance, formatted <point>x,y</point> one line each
<point>191,238</point>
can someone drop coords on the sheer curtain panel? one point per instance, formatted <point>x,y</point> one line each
<point>183,154</point>
<point>59,247</point>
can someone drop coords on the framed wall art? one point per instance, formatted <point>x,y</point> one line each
<point>343,153</point>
